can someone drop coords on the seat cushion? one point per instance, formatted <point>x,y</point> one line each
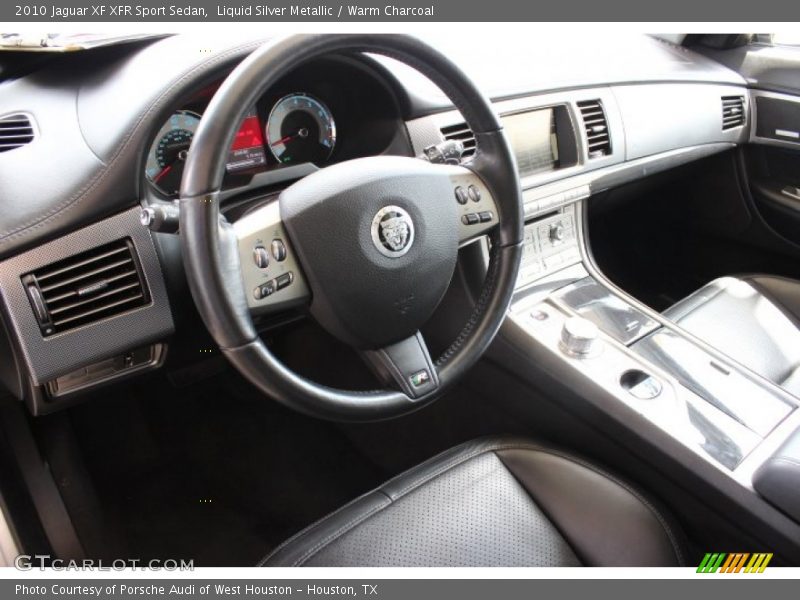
<point>754,319</point>
<point>492,502</point>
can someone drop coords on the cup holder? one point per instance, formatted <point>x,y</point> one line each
<point>640,385</point>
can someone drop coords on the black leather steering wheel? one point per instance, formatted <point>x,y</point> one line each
<point>369,245</point>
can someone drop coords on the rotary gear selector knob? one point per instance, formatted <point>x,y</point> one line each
<point>580,338</point>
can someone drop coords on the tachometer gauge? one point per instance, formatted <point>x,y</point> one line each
<point>167,155</point>
<point>300,128</point>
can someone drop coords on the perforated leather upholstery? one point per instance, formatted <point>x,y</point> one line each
<point>492,502</point>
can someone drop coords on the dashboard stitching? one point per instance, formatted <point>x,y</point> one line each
<point>81,195</point>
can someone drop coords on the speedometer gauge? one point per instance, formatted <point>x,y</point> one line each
<point>300,128</point>
<point>167,155</point>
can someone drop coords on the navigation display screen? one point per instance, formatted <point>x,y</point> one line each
<point>247,150</point>
<point>532,136</point>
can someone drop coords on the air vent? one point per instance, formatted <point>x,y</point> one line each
<point>463,134</point>
<point>15,130</point>
<point>732,112</point>
<point>87,287</point>
<point>596,127</point>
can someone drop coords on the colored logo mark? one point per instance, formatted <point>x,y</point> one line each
<point>737,562</point>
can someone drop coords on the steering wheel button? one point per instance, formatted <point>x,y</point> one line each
<point>470,219</point>
<point>461,195</point>
<point>485,216</point>
<point>264,290</point>
<point>278,250</point>
<point>474,193</point>
<point>261,257</point>
<point>283,280</point>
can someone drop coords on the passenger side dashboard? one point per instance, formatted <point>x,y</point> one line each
<point>641,129</point>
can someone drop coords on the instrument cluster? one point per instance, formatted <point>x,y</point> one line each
<point>328,111</point>
<point>297,128</point>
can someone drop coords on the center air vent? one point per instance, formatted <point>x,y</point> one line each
<point>15,130</point>
<point>732,112</point>
<point>87,287</point>
<point>463,134</point>
<point>596,127</point>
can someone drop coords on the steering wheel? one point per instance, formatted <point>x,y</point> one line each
<point>368,245</point>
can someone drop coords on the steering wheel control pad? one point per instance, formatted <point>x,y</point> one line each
<point>378,240</point>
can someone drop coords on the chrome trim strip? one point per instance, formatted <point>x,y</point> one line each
<point>425,130</point>
<point>579,187</point>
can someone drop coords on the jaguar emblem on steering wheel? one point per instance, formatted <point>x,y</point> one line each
<point>392,231</point>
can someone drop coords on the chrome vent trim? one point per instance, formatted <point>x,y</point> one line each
<point>85,288</point>
<point>463,134</point>
<point>733,112</point>
<point>16,130</point>
<point>595,124</point>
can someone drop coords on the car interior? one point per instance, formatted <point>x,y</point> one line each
<point>381,300</point>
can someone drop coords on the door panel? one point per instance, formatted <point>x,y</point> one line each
<point>772,72</point>
<point>774,161</point>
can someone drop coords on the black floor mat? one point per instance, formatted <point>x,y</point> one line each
<point>214,473</point>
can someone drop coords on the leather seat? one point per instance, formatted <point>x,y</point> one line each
<point>492,502</point>
<point>754,319</point>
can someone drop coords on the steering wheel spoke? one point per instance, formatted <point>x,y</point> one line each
<point>477,210</point>
<point>271,272</point>
<point>407,364</point>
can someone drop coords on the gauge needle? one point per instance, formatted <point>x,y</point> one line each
<point>303,133</point>
<point>179,158</point>
<point>283,140</point>
<point>161,173</point>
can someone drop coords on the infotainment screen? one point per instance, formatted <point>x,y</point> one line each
<point>532,136</point>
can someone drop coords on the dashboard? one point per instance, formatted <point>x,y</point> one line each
<point>115,137</point>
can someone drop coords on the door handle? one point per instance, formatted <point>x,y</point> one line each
<point>792,192</point>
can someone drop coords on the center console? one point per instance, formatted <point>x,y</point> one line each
<point>645,369</point>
